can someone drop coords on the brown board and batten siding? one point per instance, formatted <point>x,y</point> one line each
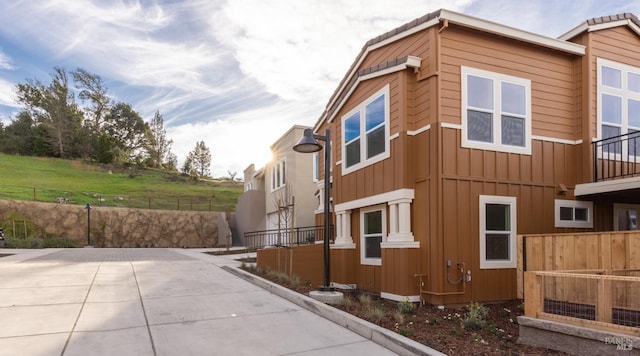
<point>380,177</point>
<point>618,44</point>
<point>465,174</point>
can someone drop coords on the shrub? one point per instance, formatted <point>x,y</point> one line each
<point>295,281</point>
<point>405,330</point>
<point>364,299</point>
<point>346,301</point>
<point>406,306</point>
<point>36,242</point>
<point>398,316</point>
<point>476,318</point>
<point>375,314</point>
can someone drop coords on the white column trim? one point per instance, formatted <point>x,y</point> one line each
<point>344,240</point>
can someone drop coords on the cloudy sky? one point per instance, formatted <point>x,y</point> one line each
<point>234,73</point>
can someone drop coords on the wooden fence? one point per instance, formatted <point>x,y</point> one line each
<point>610,252</point>
<point>599,301</point>
<point>585,279</point>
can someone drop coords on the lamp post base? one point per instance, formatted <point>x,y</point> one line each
<point>328,297</point>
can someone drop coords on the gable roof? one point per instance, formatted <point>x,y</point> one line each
<point>354,75</point>
<point>604,22</point>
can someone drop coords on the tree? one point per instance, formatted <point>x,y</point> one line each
<point>128,132</point>
<point>159,149</point>
<point>93,90</point>
<point>199,159</point>
<point>18,135</point>
<point>187,166</point>
<point>104,151</point>
<point>54,107</point>
<point>171,164</point>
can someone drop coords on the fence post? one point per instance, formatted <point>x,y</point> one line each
<point>603,306</point>
<point>533,294</point>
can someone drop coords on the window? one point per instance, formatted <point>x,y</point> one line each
<point>365,138</point>
<point>373,231</point>
<point>574,213</point>
<point>497,232</point>
<point>278,174</point>
<point>619,105</point>
<point>496,111</point>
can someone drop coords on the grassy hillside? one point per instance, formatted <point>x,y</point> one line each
<point>78,182</point>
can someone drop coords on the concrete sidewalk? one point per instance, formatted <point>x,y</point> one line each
<point>153,302</point>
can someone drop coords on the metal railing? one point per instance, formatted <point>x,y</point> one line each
<point>286,237</point>
<point>158,201</point>
<point>616,157</point>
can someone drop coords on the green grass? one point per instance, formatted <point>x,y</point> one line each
<point>46,179</point>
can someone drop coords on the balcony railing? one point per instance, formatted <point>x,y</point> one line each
<point>616,157</point>
<point>286,237</point>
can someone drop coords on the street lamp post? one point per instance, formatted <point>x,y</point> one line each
<point>88,207</point>
<point>309,144</point>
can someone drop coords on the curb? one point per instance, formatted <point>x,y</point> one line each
<point>381,336</point>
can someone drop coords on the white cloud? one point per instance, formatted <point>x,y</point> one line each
<point>238,141</point>
<point>7,93</point>
<point>5,61</point>
<point>301,50</point>
<point>235,73</point>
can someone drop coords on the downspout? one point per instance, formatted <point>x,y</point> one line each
<point>439,166</point>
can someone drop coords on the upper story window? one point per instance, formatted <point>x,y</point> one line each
<point>365,132</point>
<point>618,104</point>
<point>278,174</point>
<point>496,111</point>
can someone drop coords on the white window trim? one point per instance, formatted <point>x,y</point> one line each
<point>513,250</point>
<point>622,93</point>
<point>387,123</point>
<point>277,167</point>
<point>497,79</point>
<point>559,203</point>
<point>372,261</point>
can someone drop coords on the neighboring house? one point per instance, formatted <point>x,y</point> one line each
<point>250,210</point>
<point>281,196</point>
<point>452,135</point>
<point>290,185</point>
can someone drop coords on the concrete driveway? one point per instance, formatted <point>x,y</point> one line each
<point>152,302</point>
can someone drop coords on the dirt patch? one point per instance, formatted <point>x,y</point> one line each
<point>5,254</point>
<point>452,331</point>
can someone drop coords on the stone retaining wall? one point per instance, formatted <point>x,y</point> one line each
<point>117,227</point>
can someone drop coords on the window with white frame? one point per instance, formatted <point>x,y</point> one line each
<point>618,105</point>
<point>278,174</point>
<point>497,232</point>
<point>496,111</point>
<point>573,213</point>
<point>365,132</point>
<point>373,231</point>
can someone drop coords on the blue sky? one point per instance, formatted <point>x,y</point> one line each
<point>238,73</point>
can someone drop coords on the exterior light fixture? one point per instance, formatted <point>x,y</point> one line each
<point>88,207</point>
<point>309,144</point>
